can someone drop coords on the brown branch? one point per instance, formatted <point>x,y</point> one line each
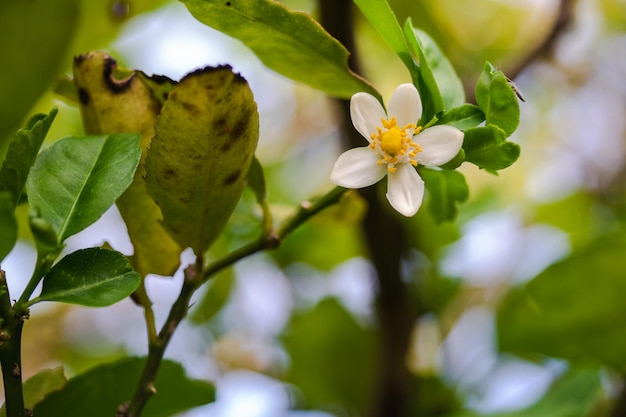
<point>385,240</point>
<point>546,47</point>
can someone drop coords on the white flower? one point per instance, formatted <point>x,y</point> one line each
<point>396,147</point>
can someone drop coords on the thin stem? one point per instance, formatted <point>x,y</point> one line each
<point>42,266</point>
<point>195,276</point>
<point>141,296</point>
<point>156,349</point>
<point>10,353</point>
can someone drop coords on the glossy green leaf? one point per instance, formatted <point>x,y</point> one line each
<point>462,117</point>
<point>290,43</point>
<point>39,385</point>
<point>497,99</point>
<point>197,165</point>
<point>101,390</point>
<point>446,189</point>
<point>383,19</point>
<point>129,103</point>
<point>331,358</point>
<point>94,277</point>
<point>34,39</point>
<point>22,153</point>
<point>440,86</point>
<point>488,148</point>
<point>77,179</point>
<point>8,225</point>
<point>574,310</point>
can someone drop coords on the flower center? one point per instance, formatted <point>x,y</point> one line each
<point>391,140</point>
<point>393,144</point>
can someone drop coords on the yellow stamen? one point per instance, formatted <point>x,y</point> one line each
<point>391,140</point>
<point>394,144</point>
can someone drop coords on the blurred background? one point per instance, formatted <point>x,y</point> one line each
<point>520,301</point>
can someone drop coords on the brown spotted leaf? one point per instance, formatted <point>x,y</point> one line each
<point>200,156</point>
<point>112,102</point>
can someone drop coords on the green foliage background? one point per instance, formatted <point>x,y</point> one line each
<point>571,312</point>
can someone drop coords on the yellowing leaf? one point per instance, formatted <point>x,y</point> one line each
<point>112,105</point>
<point>200,156</point>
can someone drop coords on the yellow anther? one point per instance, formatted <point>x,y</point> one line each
<point>391,140</point>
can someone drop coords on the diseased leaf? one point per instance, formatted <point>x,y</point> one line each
<point>290,43</point>
<point>497,99</point>
<point>131,104</point>
<point>572,310</point>
<point>22,153</point>
<point>488,148</point>
<point>440,86</point>
<point>101,390</point>
<point>198,162</point>
<point>463,117</point>
<point>77,179</point>
<point>94,277</point>
<point>446,189</point>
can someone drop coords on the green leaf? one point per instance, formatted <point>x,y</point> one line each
<point>94,277</point>
<point>130,103</point>
<point>77,179</point>
<point>496,97</point>
<point>438,80</point>
<point>574,309</point>
<point>256,181</point>
<point>488,148</point>
<point>22,153</point>
<point>463,117</point>
<point>383,19</point>
<point>8,224</point>
<point>34,39</point>
<point>331,358</point>
<point>39,385</point>
<point>446,189</point>
<point>290,43</point>
<point>198,162</point>
<point>101,390</point>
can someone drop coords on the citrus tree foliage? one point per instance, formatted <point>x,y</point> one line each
<point>177,156</point>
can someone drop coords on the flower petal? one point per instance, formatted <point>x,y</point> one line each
<point>366,113</point>
<point>357,168</point>
<point>405,105</point>
<point>405,190</point>
<point>439,144</point>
